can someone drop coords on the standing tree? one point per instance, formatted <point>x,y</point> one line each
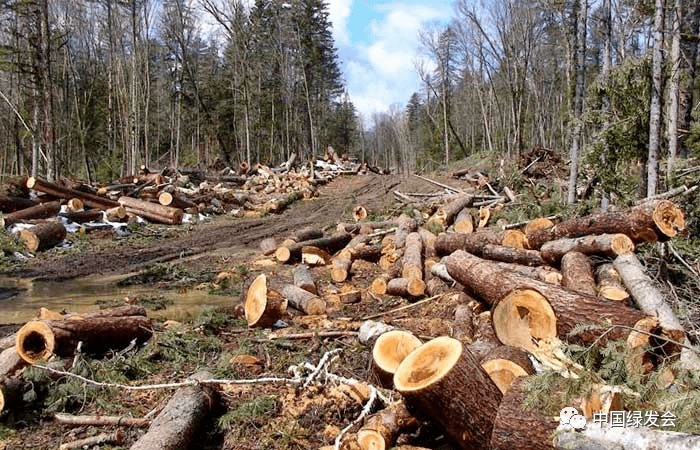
<point>574,150</point>
<point>656,97</point>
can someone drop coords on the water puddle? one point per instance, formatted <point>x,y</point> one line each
<point>20,299</point>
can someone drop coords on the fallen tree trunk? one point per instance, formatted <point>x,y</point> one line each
<point>602,244</point>
<point>263,307</point>
<point>10,362</point>
<point>445,215</point>
<point>577,273</point>
<point>656,220</point>
<point>177,423</point>
<point>525,308</point>
<point>40,211</point>
<point>304,279</point>
<point>9,204</point>
<point>331,244</point>
<point>42,236</point>
<point>447,243</point>
<point>90,200</point>
<point>303,300</point>
<point>505,364</point>
<point>175,201</point>
<point>389,350</point>
<point>445,383</point>
<point>412,260</point>
<point>154,212</point>
<point>380,430</point>
<point>610,284</point>
<point>405,287</point>
<point>90,215</point>
<point>99,332</point>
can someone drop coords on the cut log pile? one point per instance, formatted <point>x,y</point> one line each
<point>518,294</point>
<point>165,197</point>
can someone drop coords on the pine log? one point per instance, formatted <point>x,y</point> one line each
<point>445,215</point>
<point>447,243</point>
<point>154,212</point>
<point>175,200</point>
<point>405,287</point>
<point>412,261</point>
<point>440,270</point>
<point>9,204</point>
<point>540,223</point>
<point>74,205</point>
<point>512,255</point>
<point>176,425</point>
<point>304,279</point>
<point>525,308</point>
<point>303,300</point>
<point>405,225</point>
<point>518,428</point>
<point>330,244</point>
<point>342,262</point>
<point>389,350</point>
<point>313,256</point>
<point>464,223</point>
<point>504,364</point>
<point>307,233</point>
<point>359,213</point>
<point>656,220</point>
<point>42,236</point>
<point>39,339</point>
<point>463,329</point>
<point>610,284</point>
<point>40,211</point>
<point>10,362</point>
<point>443,380</point>
<point>608,437</point>
<point>268,246</point>
<point>89,200</point>
<point>89,215</point>
<point>428,240</point>
<point>364,226</point>
<point>263,307</point>
<point>602,244</point>
<point>380,283</point>
<point>381,429</point>
<point>577,273</point>
<point>542,273</point>
<point>116,214</point>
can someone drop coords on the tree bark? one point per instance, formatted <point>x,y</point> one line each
<point>177,423</point>
<point>304,279</point>
<point>11,204</point>
<point>303,300</point>
<point>331,244</point>
<point>154,212</point>
<point>443,381</point>
<point>42,236</point>
<point>90,200</point>
<point>603,244</point>
<point>40,211</point>
<point>412,260</point>
<point>577,274</point>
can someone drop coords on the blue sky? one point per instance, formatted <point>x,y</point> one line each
<point>378,45</point>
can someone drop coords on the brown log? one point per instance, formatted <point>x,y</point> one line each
<point>447,243</point>
<point>42,236</point>
<point>518,428</point>
<point>445,215</point>
<point>10,362</point>
<point>312,256</point>
<point>610,284</point>
<point>263,307</point>
<point>356,249</point>
<point>40,211</point>
<point>330,244</point>
<point>177,423</point>
<point>541,223</point>
<point>175,200</point>
<point>404,226</point>
<point>303,300</point>
<point>512,255</point>
<point>464,223</point>
<point>405,287</point>
<point>9,204</point>
<point>602,244</point>
<point>74,204</point>
<point>379,284</point>
<point>504,364</point>
<point>446,383</point>
<point>154,212</point>
<point>463,329</point>
<point>307,233</point>
<point>389,350</point>
<point>89,200</point>
<point>542,273</point>
<point>268,246</point>
<point>651,221</point>
<point>525,308</point>
<point>381,429</point>
<point>116,214</point>
<point>39,339</point>
<point>412,261</point>
<point>304,279</point>
<point>577,273</point>
<point>364,226</point>
<point>90,215</point>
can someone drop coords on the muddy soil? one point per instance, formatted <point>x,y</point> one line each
<point>225,235</point>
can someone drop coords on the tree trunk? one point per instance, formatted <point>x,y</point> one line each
<point>99,332</point>
<point>263,307</point>
<point>443,381</point>
<point>304,279</point>
<point>412,261</point>
<point>380,430</point>
<point>405,287</point>
<point>656,99</point>
<point>89,200</point>
<point>154,212</point>
<point>505,364</point>
<point>649,221</point>
<point>11,204</point>
<point>610,284</point>
<point>389,350</point>
<point>40,211</point>
<point>175,426</point>
<point>447,243</point>
<point>303,300</point>
<point>577,273</point>
<point>42,236</point>
<point>603,244</point>
<point>331,244</point>
<point>90,215</point>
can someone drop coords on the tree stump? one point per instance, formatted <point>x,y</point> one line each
<point>443,380</point>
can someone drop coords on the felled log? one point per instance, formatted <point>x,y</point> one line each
<point>525,308</point>
<point>314,256</point>
<point>101,421</point>
<point>359,213</point>
<point>10,362</point>
<point>428,239</point>
<point>330,243</point>
<point>610,283</point>
<point>602,244</point>
<point>263,307</point>
<point>389,350</point>
<point>177,423</point>
<point>90,215</point>
<point>464,223</point>
<point>342,262</point>
<point>175,200</point>
<point>442,380</point>
<point>99,332</point>
<point>541,223</point>
<point>518,428</point>
<point>303,300</point>
<point>42,236</point>
<point>304,279</point>
<point>268,246</point>
<point>445,215</point>
<point>90,200</point>
<point>577,273</point>
<point>405,287</point>
<point>381,429</point>
<point>542,273</point>
<point>9,204</point>
<point>412,260</point>
<point>116,214</point>
<point>380,283</point>
<point>504,364</point>
<point>365,227</point>
<point>608,437</point>
<point>40,211</point>
<point>404,226</point>
<point>463,328</point>
<point>656,220</point>
<point>447,243</point>
<point>154,212</point>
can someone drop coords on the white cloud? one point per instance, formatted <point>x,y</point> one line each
<point>381,73</point>
<point>339,12</point>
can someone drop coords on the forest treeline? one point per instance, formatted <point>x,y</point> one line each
<point>96,88</point>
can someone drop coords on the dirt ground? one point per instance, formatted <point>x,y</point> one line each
<point>260,416</point>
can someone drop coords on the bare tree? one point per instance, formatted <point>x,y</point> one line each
<point>656,97</point>
<point>574,150</point>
